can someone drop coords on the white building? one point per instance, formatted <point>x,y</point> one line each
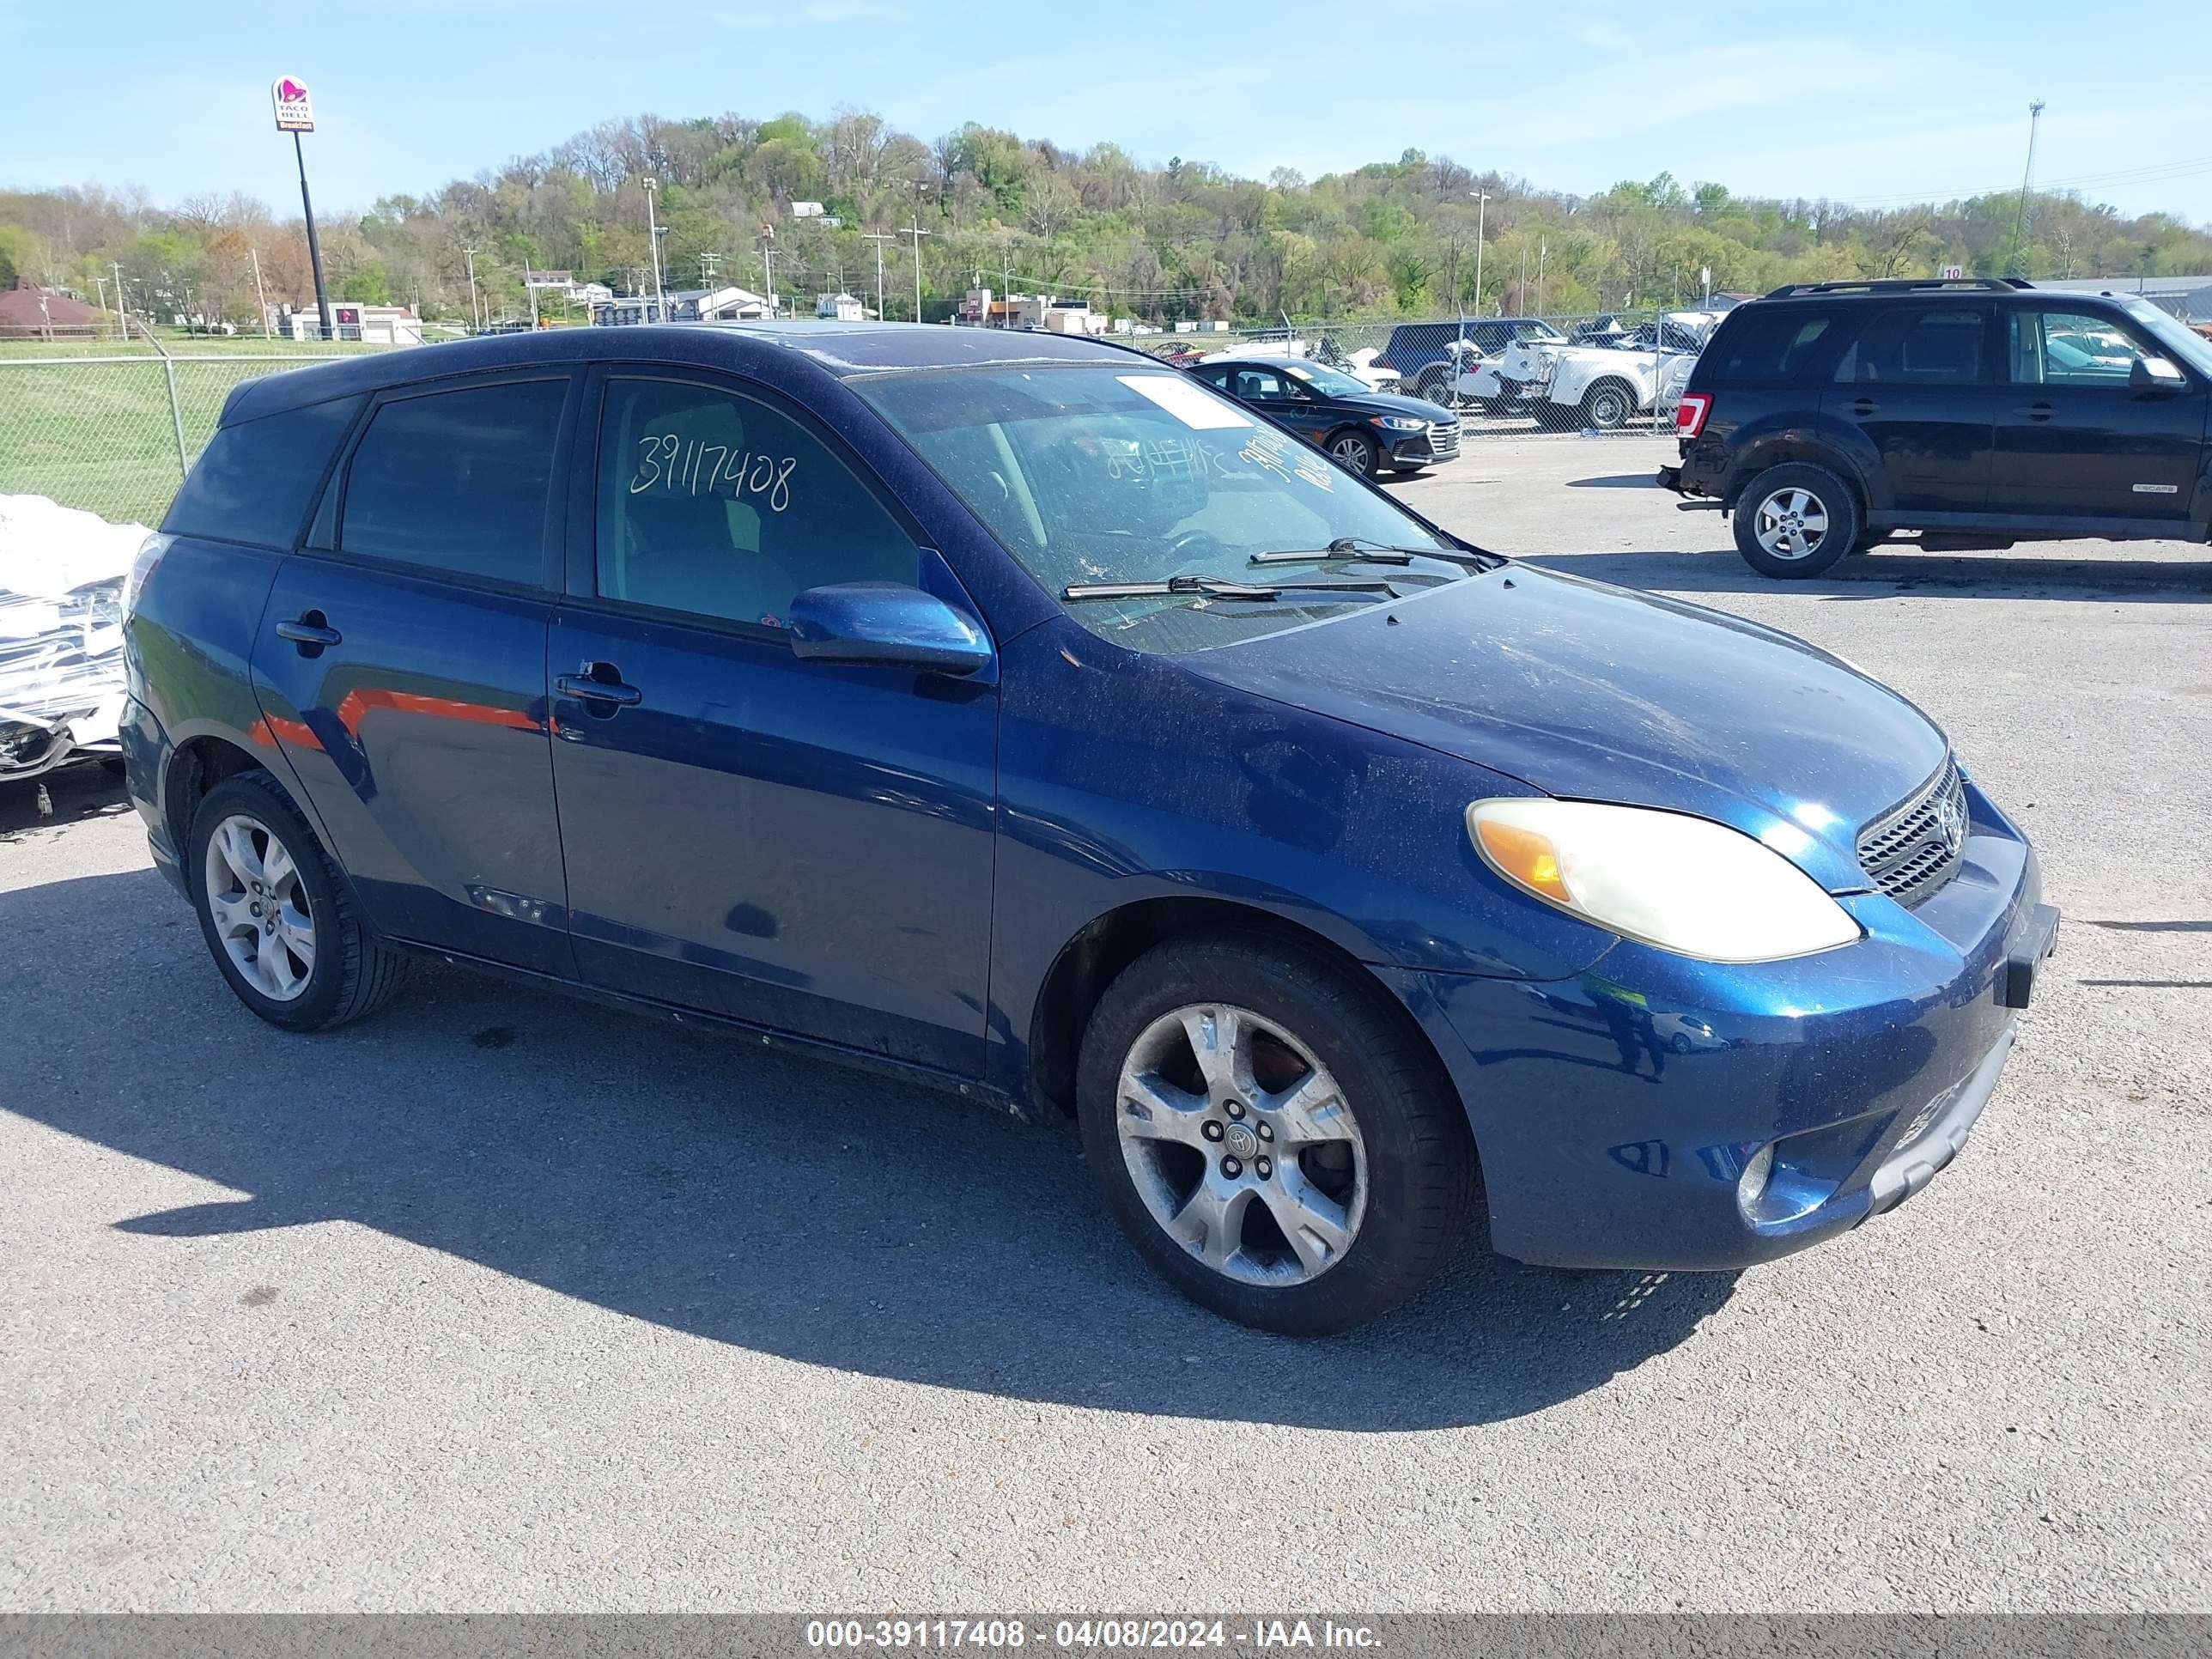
<point>684,305</point>
<point>350,320</point>
<point>840,307</point>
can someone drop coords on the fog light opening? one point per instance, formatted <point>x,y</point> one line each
<point>1751,1184</point>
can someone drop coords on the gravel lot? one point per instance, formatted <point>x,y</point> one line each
<point>503,1302</point>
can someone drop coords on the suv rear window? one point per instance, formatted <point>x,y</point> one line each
<point>253,481</point>
<point>1758,347</point>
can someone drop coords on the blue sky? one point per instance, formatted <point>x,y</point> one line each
<point>1867,101</point>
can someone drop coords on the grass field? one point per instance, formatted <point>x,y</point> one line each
<point>100,436</point>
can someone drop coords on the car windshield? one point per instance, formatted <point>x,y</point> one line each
<point>2176,337</point>
<point>1328,381</point>
<point>1104,473</point>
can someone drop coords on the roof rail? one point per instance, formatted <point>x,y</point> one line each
<point>1901,285</point>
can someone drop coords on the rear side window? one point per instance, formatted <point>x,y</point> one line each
<point>1912,345</point>
<point>1772,348</point>
<point>458,482</point>
<point>253,481</point>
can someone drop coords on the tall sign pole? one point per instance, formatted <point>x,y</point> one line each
<point>295,115</point>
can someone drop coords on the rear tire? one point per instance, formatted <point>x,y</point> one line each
<point>1310,1107</point>
<point>275,913</point>
<point>1609,405</point>
<point>1796,520</point>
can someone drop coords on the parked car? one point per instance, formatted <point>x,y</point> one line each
<point>1365,431</point>
<point>61,638</point>
<point>1428,357</point>
<point>1829,416</point>
<point>1601,381</point>
<point>1011,715</point>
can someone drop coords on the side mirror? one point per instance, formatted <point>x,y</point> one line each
<point>2154,376</point>
<point>886,623</point>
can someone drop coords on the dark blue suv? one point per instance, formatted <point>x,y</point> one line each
<point>1019,715</point>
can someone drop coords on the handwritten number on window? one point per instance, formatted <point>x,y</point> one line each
<point>668,462</point>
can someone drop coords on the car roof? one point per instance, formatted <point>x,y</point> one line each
<point>836,349</point>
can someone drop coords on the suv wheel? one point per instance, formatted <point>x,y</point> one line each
<point>1268,1138</point>
<point>1796,521</point>
<point>275,917</point>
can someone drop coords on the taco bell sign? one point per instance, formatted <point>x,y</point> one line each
<point>293,112</point>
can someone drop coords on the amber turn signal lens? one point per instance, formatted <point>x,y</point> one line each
<point>1525,856</point>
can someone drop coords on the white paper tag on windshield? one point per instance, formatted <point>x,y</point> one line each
<point>1183,400</point>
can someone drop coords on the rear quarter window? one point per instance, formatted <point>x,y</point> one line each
<point>1773,348</point>
<point>254,481</point>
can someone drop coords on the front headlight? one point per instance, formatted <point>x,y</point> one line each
<point>1400,423</point>
<point>1682,884</point>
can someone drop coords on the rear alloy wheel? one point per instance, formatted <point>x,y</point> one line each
<point>277,918</point>
<point>1608,405</point>
<point>1267,1137</point>
<point>1355,452</point>
<point>1796,520</point>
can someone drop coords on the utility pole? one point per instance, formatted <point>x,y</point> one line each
<point>653,239</point>
<point>259,298</point>
<point>917,233</point>
<point>475,311</point>
<point>1481,208</point>
<point>768,266</point>
<point>122,316</point>
<point>1543,246</point>
<point>2020,218</point>
<point>880,238</point>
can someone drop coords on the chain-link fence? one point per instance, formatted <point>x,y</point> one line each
<point>115,435</point>
<point>1617,373</point>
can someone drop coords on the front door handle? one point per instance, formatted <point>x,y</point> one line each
<point>311,633</point>
<point>599,682</point>
<point>2037,411</point>
<point>1865,406</point>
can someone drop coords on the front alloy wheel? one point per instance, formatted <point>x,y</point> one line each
<point>1271,1133</point>
<point>1242,1145</point>
<point>1354,451</point>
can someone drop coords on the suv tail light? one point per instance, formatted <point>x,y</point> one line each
<point>1690,414</point>
<point>134,584</point>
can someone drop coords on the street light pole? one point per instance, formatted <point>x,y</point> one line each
<point>122,316</point>
<point>653,238</point>
<point>259,297</point>
<point>475,311</point>
<point>879,237</point>
<point>917,233</point>
<point>1481,207</point>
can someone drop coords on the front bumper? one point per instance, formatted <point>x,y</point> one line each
<point>1656,1112</point>
<point>1439,443</point>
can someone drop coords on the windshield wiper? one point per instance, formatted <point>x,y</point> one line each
<point>1213,587</point>
<point>1355,549</point>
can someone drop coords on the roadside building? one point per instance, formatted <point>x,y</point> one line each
<point>682,305</point>
<point>28,312</point>
<point>840,307</point>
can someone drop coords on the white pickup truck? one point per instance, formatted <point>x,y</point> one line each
<point>1603,385</point>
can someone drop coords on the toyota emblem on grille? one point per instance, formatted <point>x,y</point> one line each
<point>1951,823</point>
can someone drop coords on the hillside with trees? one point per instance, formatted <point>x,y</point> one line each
<point>1167,242</point>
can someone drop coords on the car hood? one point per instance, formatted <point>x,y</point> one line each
<point>1390,403</point>
<point>1593,692</point>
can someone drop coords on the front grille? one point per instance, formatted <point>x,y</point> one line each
<point>1444,440</point>
<point>1913,849</point>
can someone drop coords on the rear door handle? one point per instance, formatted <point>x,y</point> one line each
<point>311,633</point>
<point>590,690</point>
<point>1865,406</point>
<point>2037,411</point>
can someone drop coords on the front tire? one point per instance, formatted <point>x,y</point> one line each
<point>275,914</point>
<point>1796,520</point>
<point>1268,1137</point>
<point>1355,452</point>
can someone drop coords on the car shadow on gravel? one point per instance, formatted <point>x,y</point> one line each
<point>693,1180</point>
<point>1886,574</point>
